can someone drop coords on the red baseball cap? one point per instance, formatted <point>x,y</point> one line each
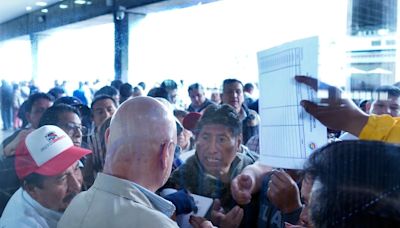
<point>190,120</point>
<point>48,151</point>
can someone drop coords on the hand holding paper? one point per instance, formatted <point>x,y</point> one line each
<point>335,111</point>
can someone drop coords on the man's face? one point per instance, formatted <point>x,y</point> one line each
<point>306,187</point>
<point>58,191</point>
<point>391,106</point>
<point>216,148</point>
<point>173,93</point>
<point>38,108</point>
<point>102,110</point>
<point>197,97</point>
<point>233,95</point>
<point>71,124</point>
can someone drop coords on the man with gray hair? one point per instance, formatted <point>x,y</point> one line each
<point>140,151</point>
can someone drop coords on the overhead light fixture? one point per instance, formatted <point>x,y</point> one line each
<point>41,3</point>
<point>28,8</point>
<point>44,10</point>
<point>80,2</point>
<point>63,6</point>
<point>88,2</point>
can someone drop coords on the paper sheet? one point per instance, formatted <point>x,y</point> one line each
<point>288,134</point>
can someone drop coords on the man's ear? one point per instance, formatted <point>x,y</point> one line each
<point>30,189</point>
<point>165,154</point>
<point>107,135</point>
<point>239,142</point>
<point>368,106</point>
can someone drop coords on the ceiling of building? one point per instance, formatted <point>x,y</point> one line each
<point>10,9</point>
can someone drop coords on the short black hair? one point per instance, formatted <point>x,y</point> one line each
<point>159,92</point>
<point>248,86</point>
<point>35,97</point>
<point>230,81</point>
<point>51,115</point>
<point>221,114</point>
<point>142,84</point>
<point>356,184</point>
<point>103,97</point>
<point>125,90</point>
<point>34,180</point>
<point>107,90</point>
<point>169,84</point>
<point>116,83</point>
<point>195,86</point>
<point>386,90</point>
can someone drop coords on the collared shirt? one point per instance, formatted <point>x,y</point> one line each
<point>23,211</point>
<point>159,203</point>
<point>116,202</point>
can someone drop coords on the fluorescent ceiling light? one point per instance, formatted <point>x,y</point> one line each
<point>28,8</point>
<point>41,3</point>
<point>63,6</point>
<point>44,10</point>
<point>80,2</point>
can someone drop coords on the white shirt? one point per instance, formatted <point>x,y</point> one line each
<point>347,136</point>
<point>23,211</point>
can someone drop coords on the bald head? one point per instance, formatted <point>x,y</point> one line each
<point>139,130</point>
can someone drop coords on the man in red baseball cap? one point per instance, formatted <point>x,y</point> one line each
<point>46,163</point>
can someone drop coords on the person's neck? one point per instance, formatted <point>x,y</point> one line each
<point>144,180</point>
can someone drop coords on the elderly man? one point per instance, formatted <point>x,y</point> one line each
<point>216,161</point>
<point>140,151</point>
<point>47,165</point>
<point>232,94</point>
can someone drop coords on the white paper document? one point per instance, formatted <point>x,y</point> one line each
<point>288,134</point>
<point>203,204</point>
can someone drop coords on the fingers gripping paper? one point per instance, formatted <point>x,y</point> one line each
<point>288,134</point>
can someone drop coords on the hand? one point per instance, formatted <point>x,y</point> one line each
<point>352,119</point>
<point>9,150</point>
<point>183,201</point>
<point>231,219</point>
<point>241,188</point>
<point>283,192</point>
<point>200,222</point>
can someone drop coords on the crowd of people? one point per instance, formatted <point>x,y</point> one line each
<point>110,159</point>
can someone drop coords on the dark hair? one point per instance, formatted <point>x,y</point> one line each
<point>195,86</point>
<point>35,97</point>
<point>142,84</point>
<point>221,114</point>
<point>125,90</point>
<point>106,90</point>
<point>180,113</point>
<point>34,180</point>
<point>169,84</point>
<point>388,90</point>
<point>358,184</point>
<point>56,91</point>
<point>159,92</point>
<point>51,115</point>
<point>248,86</point>
<point>230,81</point>
<point>102,97</point>
<point>116,83</point>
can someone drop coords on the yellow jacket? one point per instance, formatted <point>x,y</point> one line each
<point>382,128</point>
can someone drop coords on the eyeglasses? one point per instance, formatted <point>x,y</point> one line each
<point>71,128</point>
